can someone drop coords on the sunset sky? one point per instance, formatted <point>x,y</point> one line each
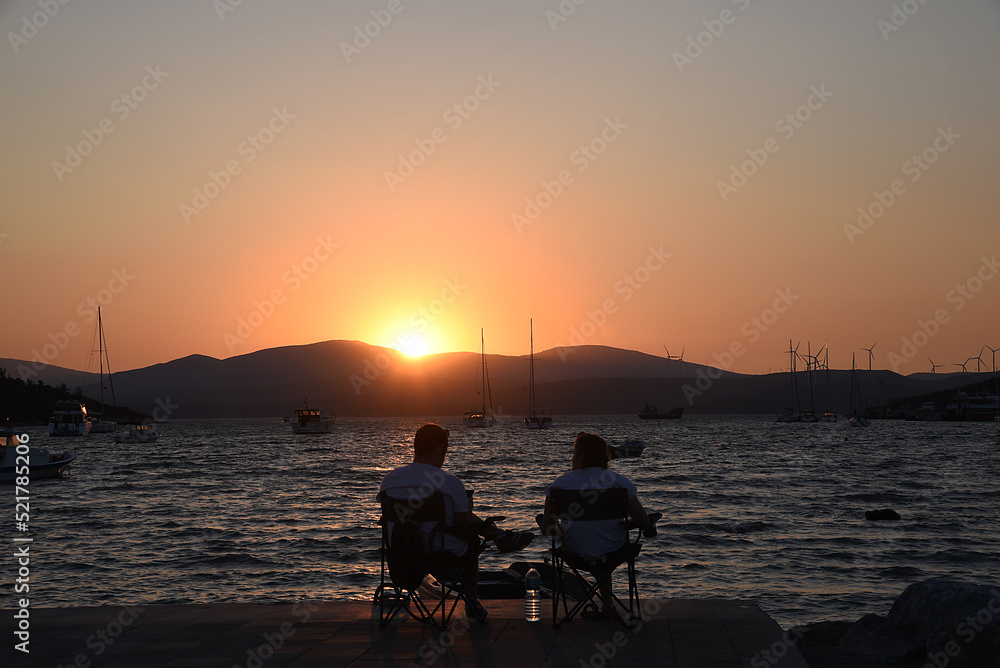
<point>230,176</point>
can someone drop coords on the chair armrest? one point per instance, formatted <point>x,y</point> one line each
<point>647,530</point>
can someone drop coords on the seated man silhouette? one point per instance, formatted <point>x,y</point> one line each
<point>594,539</point>
<point>423,477</point>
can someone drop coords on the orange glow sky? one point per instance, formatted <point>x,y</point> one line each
<point>309,240</point>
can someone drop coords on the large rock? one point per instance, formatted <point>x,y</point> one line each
<point>933,624</point>
<point>959,621</point>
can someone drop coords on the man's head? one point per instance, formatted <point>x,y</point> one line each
<point>590,450</point>
<point>430,444</point>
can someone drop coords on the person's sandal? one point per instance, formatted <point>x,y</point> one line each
<point>511,541</point>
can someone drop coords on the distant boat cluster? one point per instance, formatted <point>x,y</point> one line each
<point>963,406</point>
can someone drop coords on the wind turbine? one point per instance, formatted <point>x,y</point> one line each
<point>871,355</point>
<point>979,359</point>
<point>934,367</point>
<point>673,358</point>
<point>994,351</point>
<point>964,370</point>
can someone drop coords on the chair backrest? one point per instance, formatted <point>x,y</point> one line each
<point>405,552</point>
<point>588,505</point>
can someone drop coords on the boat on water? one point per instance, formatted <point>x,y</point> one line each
<point>98,425</point>
<point>792,414</point>
<point>137,433</point>
<point>19,460</point>
<point>536,419</point>
<point>632,448</point>
<point>312,421</point>
<point>480,418</point>
<point>649,412</point>
<point>69,418</point>
<point>856,417</point>
<point>981,407</point>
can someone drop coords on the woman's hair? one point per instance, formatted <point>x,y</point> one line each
<point>593,450</point>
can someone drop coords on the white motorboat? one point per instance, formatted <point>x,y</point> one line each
<point>137,433</point>
<point>312,421</point>
<point>69,419</point>
<point>18,460</point>
<point>631,448</point>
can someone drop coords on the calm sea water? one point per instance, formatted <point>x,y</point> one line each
<point>242,510</point>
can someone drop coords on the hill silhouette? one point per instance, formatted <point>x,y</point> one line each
<point>352,378</point>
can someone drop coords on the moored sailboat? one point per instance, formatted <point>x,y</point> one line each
<point>98,425</point>
<point>537,419</point>
<point>480,418</point>
<point>857,418</point>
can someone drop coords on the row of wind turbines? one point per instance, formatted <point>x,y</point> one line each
<point>963,365</point>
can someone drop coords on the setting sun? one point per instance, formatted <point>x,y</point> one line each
<point>413,346</point>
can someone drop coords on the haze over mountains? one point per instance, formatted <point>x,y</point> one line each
<point>351,378</point>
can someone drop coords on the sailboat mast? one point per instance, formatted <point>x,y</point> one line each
<point>100,355</point>
<point>531,370</point>
<point>102,352</point>
<point>482,341</point>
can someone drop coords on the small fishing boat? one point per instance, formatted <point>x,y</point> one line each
<point>18,460</point>
<point>649,412</point>
<point>312,421</point>
<point>137,433</point>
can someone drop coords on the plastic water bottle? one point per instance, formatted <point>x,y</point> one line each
<point>532,596</point>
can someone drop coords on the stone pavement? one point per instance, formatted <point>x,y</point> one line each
<point>675,633</point>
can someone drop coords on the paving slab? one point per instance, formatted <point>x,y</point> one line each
<point>674,633</point>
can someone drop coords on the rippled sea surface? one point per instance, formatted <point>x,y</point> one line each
<point>242,510</point>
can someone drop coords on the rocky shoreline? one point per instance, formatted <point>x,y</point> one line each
<point>936,623</point>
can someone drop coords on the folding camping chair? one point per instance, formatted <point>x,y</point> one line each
<point>408,562</point>
<point>593,505</point>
